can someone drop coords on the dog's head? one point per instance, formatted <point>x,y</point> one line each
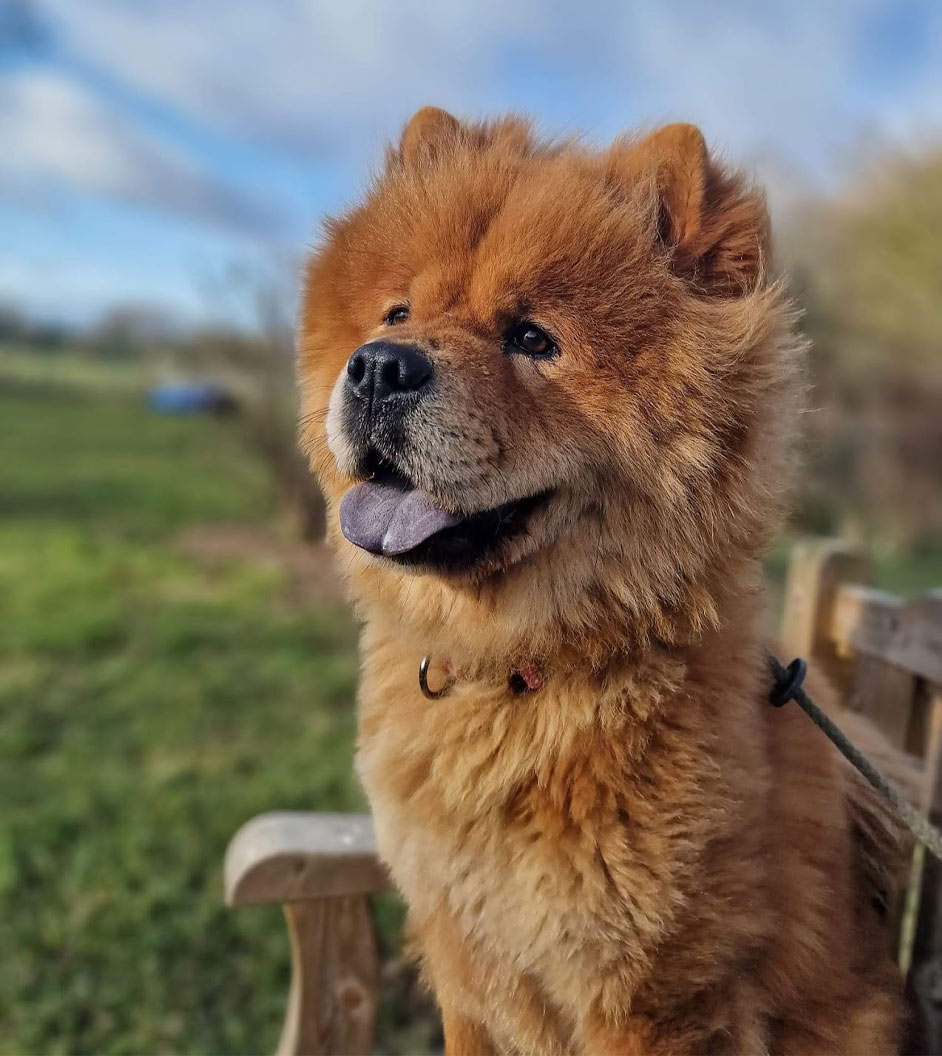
<point>542,386</point>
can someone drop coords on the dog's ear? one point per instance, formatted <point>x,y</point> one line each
<point>714,224</point>
<point>677,155</point>
<point>429,130</point>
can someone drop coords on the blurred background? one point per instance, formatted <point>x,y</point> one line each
<point>175,655</point>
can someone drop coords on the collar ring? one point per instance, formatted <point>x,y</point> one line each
<point>427,691</point>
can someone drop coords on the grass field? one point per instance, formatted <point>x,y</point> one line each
<point>152,699</point>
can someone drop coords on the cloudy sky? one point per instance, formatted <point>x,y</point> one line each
<point>148,145</point>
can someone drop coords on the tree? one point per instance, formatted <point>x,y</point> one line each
<point>869,271</point>
<point>259,366</point>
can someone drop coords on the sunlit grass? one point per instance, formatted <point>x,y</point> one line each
<point>148,705</point>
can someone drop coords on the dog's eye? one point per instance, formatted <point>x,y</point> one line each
<point>528,338</point>
<point>399,313</point>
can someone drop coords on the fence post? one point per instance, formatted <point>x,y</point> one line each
<point>922,631</point>
<point>816,569</point>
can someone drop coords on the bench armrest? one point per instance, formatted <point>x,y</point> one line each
<point>323,868</point>
<point>290,856</point>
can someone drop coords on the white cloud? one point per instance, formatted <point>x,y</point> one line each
<point>790,79</point>
<point>298,73</point>
<point>53,129</point>
<point>310,75</point>
<point>780,85</point>
<point>213,109</point>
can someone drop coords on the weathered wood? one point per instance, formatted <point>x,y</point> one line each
<point>815,572</point>
<point>335,974</point>
<point>929,930</point>
<point>884,694</point>
<point>863,620</point>
<point>918,646</point>
<point>290,856</point>
<point>876,624</point>
<point>859,636</point>
<point>926,964</point>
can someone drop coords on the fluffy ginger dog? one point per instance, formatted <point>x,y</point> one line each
<point>547,391</point>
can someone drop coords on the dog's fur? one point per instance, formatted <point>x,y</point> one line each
<point>641,856</point>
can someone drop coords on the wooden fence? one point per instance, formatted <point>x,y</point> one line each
<point>883,655</point>
<point>885,658</point>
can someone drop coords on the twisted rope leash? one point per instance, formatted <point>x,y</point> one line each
<point>788,686</point>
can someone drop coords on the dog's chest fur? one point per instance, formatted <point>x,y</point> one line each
<point>561,832</point>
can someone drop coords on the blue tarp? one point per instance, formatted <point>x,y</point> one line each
<point>190,398</point>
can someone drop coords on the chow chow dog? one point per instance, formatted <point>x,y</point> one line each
<point>548,393</point>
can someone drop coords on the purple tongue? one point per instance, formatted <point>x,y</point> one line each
<point>386,519</point>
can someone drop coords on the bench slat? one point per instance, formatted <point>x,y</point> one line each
<point>877,624</point>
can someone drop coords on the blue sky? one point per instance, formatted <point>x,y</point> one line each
<point>147,146</point>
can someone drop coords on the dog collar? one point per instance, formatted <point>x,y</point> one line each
<point>527,677</point>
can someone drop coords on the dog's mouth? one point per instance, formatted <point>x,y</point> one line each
<point>389,516</point>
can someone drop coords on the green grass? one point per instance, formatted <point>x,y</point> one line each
<point>149,704</point>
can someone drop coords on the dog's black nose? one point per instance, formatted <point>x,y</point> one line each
<point>384,370</point>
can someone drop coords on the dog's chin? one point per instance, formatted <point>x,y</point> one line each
<point>390,518</point>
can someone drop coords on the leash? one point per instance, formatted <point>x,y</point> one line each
<point>788,686</point>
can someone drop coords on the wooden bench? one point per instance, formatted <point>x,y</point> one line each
<point>322,868</point>
<point>883,655</point>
